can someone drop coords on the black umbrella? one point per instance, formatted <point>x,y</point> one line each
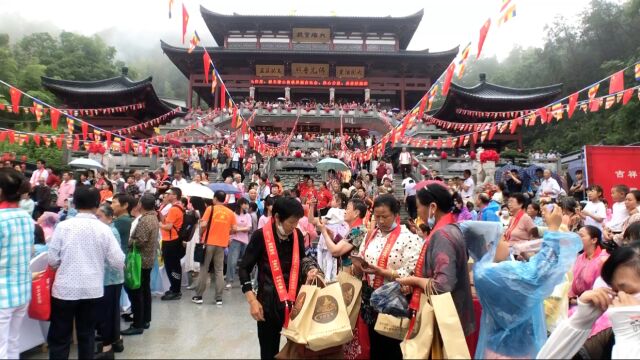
<point>230,172</point>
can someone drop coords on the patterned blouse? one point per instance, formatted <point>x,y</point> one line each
<point>403,256</point>
<point>355,237</point>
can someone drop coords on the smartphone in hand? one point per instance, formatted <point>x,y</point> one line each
<point>359,259</point>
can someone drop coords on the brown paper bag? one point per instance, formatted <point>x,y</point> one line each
<point>352,292</point>
<point>392,326</point>
<point>418,344</point>
<point>299,319</point>
<point>292,350</point>
<point>449,327</point>
<point>329,323</point>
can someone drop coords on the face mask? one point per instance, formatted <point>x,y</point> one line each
<point>505,213</point>
<point>281,232</point>
<point>431,221</point>
<point>393,226</point>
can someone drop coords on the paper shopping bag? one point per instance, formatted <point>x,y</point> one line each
<point>392,326</point>
<point>351,292</point>
<point>40,304</point>
<point>449,327</point>
<point>300,317</point>
<point>417,345</point>
<point>330,325</point>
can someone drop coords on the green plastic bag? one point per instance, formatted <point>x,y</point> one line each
<point>133,269</point>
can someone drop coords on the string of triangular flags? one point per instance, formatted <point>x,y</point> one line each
<point>39,110</point>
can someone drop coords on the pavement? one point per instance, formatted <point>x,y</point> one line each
<point>181,329</point>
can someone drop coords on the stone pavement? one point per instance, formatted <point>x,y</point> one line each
<point>181,329</point>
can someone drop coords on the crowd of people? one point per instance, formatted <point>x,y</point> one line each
<point>538,237</point>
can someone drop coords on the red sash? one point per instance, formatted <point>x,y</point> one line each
<point>414,305</point>
<point>287,297</point>
<point>384,255</point>
<point>8,205</point>
<point>357,222</point>
<point>513,224</point>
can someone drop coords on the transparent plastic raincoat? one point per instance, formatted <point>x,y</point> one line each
<point>512,294</point>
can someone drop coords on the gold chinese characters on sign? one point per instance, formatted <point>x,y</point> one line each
<point>270,70</point>
<point>311,35</point>
<point>350,72</point>
<point>310,70</point>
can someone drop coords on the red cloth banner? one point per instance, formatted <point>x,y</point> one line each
<point>185,20</point>
<point>608,166</point>
<point>15,95</point>
<point>206,62</point>
<point>483,35</point>
<point>616,84</point>
<point>573,101</point>
<point>447,79</point>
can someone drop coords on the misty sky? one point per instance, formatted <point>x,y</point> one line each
<point>142,23</point>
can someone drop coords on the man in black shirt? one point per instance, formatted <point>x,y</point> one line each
<point>513,182</point>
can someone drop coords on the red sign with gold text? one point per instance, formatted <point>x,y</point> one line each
<point>608,166</point>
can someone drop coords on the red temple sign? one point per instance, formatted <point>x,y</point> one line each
<point>608,166</point>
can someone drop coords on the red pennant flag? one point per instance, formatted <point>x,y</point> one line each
<point>234,118</point>
<point>573,101</point>
<point>627,96</point>
<point>206,62</point>
<point>447,78</point>
<point>85,130</point>
<point>474,137</point>
<point>3,136</point>
<point>449,142</point>
<point>423,104</point>
<point>55,117</point>
<point>513,127</point>
<point>15,99</point>
<point>36,139</point>
<point>12,137</point>
<point>483,34</point>
<point>244,129</point>
<point>76,142</point>
<point>393,136</point>
<point>127,145</point>
<point>223,95</point>
<point>59,141</point>
<point>492,131</point>
<point>185,20</point>
<point>616,84</point>
<point>439,143</point>
<point>251,140</point>
<point>594,105</point>
<point>543,115</point>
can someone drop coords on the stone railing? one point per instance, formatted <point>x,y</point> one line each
<point>118,161</point>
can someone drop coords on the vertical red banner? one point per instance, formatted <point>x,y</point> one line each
<point>608,166</point>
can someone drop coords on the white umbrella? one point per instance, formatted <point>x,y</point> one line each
<point>86,163</point>
<point>282,99</point>
<point>331,164</point>
<point>198,190</point>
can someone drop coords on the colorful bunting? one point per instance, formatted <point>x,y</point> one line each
<point>194,42</point>
<point>509,13</point>
<point>15,95</point>
<point>593,91</point>
<point>447,78</point>
<point>55,117</point>
<point>627,96</point>
<point>463,60</point>
<point>616,83</point>
<point>573,100</point>
<point>185,20</point>
<point>483,35</point>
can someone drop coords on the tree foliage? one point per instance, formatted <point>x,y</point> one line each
<point>604,40</point>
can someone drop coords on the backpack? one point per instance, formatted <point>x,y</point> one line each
<point>188,227</point>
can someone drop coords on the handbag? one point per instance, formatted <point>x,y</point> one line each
<point>133,269</point>
<point>392,326</point>
<point>201,248</point>
<point>40,304</point>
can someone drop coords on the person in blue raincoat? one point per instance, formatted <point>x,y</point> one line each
<point>512,292</point>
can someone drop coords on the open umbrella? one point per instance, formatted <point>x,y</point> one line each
<point>227,188</point>
<point>198,190</point>
<point>363,132</point>
<point>86,164</point>
<point>282,99</point>
<point>331,164</point>
<point>395,110</point>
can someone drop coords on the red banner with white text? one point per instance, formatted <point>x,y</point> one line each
<point>608,166</point>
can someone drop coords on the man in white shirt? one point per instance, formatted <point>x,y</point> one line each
<point>549,187</point>
<point>40,172</point>
<point>619,212</point>
<point>140,182</point>
<point>67,187</point>
<point>409,186</point>
<point>405,162</point>
<point>178,181</point>
<point>89,246</point>
<point>237,183</point>
<point>468,187</point>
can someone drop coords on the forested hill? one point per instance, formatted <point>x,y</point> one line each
<point>606,39</point>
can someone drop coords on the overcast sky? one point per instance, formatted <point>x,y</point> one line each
<point>446,23</point>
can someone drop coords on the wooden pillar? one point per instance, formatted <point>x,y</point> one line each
<point>402,96</point>
<point>190,92</point>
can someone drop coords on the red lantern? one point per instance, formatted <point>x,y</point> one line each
<point>443,155</point>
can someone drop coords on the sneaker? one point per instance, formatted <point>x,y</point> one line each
<point>228,286</point>
<point>197,299</point>
<point>172,296</point>
<point>219,302</point>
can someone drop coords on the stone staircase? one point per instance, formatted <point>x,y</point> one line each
<point>398,192</point>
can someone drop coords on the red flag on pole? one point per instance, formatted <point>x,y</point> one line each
<point>15,99</point>
<point>573,101</point>
<point>616,84</point>
<point>447,78</point>
<point>223,95</point>
<point>423,104</point>
<point>492,131</point>
<point>85,130</point>
<point>185,20</point>
<point>206,62</point>
<point>483,35</point>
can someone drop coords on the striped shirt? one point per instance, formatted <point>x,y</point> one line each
<point>16,240</point>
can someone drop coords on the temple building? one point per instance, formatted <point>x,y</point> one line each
<point>487,102</point>
<point>114,103</point>
<point>313,59</point>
